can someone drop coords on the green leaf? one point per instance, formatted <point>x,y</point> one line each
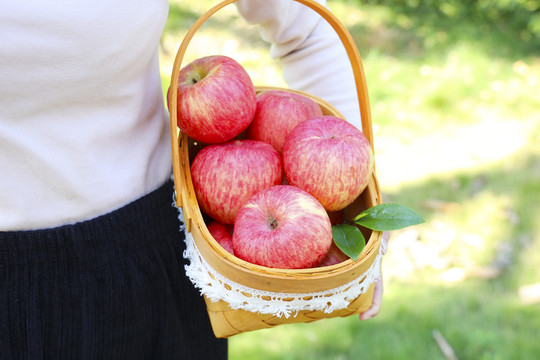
<point>386,217</point>
<point>349,239</point>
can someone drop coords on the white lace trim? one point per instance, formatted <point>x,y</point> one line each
<point>217,287</point>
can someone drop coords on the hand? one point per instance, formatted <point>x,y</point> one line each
<point>378,291</point>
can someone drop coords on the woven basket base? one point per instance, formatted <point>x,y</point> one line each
<point>227,322</point>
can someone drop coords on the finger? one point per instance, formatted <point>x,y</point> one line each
<point>377,302</point>
<point>384,242</point>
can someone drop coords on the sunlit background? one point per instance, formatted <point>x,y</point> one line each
<point>455,96</point>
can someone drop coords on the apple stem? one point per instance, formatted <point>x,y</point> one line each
<point>272,222</point>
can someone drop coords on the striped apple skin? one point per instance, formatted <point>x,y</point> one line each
<point>330,159</point>
<point>278,112</point>
<point>216,99</point>
<point>226,175</point>
<point>222,233</point>
<point>282,227</point>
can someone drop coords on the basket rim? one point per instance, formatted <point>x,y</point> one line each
<point>372,245</point>
<point>182,178</point>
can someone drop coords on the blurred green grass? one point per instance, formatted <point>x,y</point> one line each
<point>455,104</point>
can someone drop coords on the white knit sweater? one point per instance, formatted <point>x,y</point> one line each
<point>83,129</point>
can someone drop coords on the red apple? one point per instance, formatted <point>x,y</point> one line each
<point>278,112</point>
<point>282,227</point>
<point>330,159</point>
<point>222,233</point>
<point>334,256</point>
<point>226,175</point>
<point>216,99</point>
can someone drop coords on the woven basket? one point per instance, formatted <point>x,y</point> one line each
<point>227,321</point>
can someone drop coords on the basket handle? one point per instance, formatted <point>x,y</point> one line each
<point>339,28</point>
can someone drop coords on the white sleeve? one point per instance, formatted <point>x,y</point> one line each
<point>313,57</point>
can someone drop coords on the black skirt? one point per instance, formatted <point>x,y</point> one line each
<point>113,287</point>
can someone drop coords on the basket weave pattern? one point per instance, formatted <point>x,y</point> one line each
<point>241,296</point>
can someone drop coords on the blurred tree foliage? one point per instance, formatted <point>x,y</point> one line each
<point>516,20</point>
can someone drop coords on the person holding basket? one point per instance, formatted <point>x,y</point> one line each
<point>91,263</point>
